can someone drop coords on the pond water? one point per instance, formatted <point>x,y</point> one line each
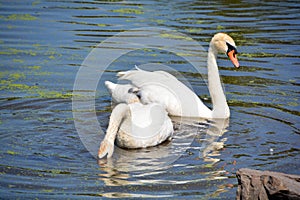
<point>42,47</point>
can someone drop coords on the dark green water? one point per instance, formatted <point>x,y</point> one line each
<point>42,45</point>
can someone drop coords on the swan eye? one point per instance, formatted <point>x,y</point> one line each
<point>230,48</point>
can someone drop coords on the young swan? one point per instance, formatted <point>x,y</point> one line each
<point>132,124</point>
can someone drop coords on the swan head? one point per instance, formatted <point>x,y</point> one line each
<point>223,43</point>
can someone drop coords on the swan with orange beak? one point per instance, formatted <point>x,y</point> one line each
<point>179,100</point>
<point>231,53</point>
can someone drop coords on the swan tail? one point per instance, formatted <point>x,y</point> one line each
<point>124,73</point>
<point>110,85</point>
<point>106,148</point>
<point>120,74</point>
<point>137,68</point>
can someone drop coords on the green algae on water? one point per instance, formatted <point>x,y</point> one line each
<point>128,11</point>
<point>11,152</point>
<point>13,17</point>
<point>175,36</point>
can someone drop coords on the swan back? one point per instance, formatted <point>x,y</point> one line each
<point>165,89</point>
<point>121,93</point>
<point>141,125</point>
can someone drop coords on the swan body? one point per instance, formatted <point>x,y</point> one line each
<point>163,88</point>
<point>133,124</point>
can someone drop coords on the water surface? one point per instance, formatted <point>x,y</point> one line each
<point>42,45</point>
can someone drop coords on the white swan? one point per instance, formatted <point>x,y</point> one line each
<point>132,124</point>
<point>163,88</point>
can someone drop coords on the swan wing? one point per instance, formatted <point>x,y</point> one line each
<point>148,125</point>
<point>140,77</point>
<point>163,88</point>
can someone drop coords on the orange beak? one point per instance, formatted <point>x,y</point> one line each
<point>232,56</point>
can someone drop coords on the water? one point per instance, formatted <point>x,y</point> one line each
<point>42,45</point>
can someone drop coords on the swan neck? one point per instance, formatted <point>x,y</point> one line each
<point>116,118</point>
<point>220,107</point>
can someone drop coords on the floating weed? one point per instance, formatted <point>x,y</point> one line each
<point>199,22</point>
<point>35,3</point>
<point>158,21</point>
<point>101,25</point>
<point>13,17</point>
<point>43,120</point>
<point>10,27</point>
<point>11,85</point>
<point>209,165</point>
<point>194,30</point>
<point>34,67</point>
<point>184,54</point>
<point>4,53</point>
<point>47,190</point>
<point>18,60</point>
<point>16,76</point>
<point>41,73</point>
<point>219,28</point>
<point>32,53</point>
<point>54,94</point>
<point>10,51</point>
<point>18,86</point>
<point>128,11</point>
<point>51,54</point>
<point>11,152</point>
<point>258,55</point>
<point>15,51</point>
<point>175,36</point>
<point>11,82</point>
<point>4,82</point>
<point>293,104</point>
<point>56,171</point>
